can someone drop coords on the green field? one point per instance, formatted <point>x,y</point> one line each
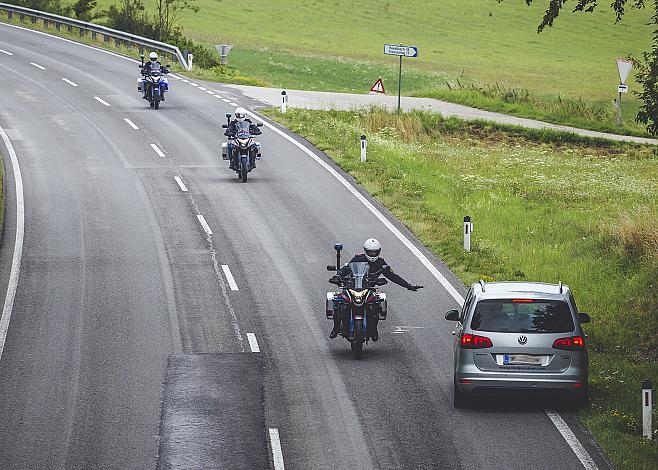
<point>338,45</point>
<point>583,212</point>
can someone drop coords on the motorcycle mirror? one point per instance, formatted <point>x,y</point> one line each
<point>260,124</point>
<point>338,246</point>
<point>168,66</point>
<point>228,115</point>
<point>331,268</point>
<point>225,126</point>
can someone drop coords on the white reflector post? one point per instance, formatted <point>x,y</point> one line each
<point>647,406</point>
<point>190,56</point>
<point>468,228</point>
<point>364,146</point>
<point>284,102</point>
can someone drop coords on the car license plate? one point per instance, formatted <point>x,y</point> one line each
<point>521,359</point>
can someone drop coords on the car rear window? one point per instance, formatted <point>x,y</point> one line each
<point>522,316</point>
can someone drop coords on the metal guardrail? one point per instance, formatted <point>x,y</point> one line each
<point>108,34</point>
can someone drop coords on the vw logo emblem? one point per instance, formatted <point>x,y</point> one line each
<point>523,340</point>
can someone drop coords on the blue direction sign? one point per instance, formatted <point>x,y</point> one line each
<point>399,49</point>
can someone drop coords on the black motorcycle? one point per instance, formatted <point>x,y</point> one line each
<point>241,149</point>
<point>358,301</point>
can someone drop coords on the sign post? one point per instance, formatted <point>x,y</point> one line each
<point>624,67</point>
<point>401,51</point>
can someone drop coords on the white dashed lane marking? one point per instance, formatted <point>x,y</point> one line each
<point>181,185</point>
<point>202,89</point>
<point>105,103</point>
<point>158,151</point>
<point>253,343</point>
<point>38,66</point>
<point>6,52</point>
<point>277,454</point>
<point>204,224</point>
<point>69,82</point>
<point>229,277</point>
<point>131,124</point>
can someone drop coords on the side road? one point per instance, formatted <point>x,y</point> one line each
<point>347,101</point>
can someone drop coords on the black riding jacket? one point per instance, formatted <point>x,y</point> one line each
<point>232,129</point>
<point>376,266</point>
<point>148,66</point>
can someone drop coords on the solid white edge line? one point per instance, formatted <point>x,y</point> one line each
<point>202,88</point>
<point>210,92</point>
<point>229,277</point>
<point>423,259</point>
<point>277,455</point>
<point>194,84</point>
<point>6,52</point>
<point>204,224</point>
<point>69,82</point>
<point>158,151</point>
<point>253,343</point>
<point>41,67</point>
<point>572,440</point>
<point>181,185</point>
<point>101,101</point>
<point>131,124</point>
<point>18,244</point>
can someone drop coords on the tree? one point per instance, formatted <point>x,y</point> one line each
<point>647,75</point>
<point>168,14</point>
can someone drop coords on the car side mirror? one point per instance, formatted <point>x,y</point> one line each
<point>452,315</point>
<point>331,268</point>
<point>381,281</point>
<point>225,126</point>
<point>584,318</point>
<point>260,124</point>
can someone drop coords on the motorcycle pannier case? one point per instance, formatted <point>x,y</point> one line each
<point>330,305</point>
<point>140,85</point>
<point>224,151</point>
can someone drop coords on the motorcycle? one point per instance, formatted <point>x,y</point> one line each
<point>155,83</point>
<point>358,301</point>
<point>241,149</point>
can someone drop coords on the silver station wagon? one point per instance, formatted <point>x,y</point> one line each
<point>519,335</point>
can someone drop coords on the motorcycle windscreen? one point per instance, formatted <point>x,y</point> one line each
<point>243,130</point>
<point>360,271</point>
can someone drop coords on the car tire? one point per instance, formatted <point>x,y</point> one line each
<point>459,399</point>
<point>580,399</point>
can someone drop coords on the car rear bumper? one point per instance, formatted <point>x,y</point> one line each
<point>566,381</point>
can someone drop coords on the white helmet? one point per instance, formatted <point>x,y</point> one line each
<point>240,114</point>
<point>153,56</point>
<point>372,249</point>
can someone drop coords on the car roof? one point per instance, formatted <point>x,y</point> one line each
<point>497,290</point>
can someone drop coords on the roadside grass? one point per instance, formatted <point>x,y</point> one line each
<point>545,209</point>
<point>481,42</point>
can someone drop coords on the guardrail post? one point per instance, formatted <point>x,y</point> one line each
<point>21,17</point>
<point>10,14</point>
<point>82,32</point>
<point>93,35</point>
<point>45,23</point>
<point>106,38</point>
<point>117,42</point>
<point>69,28</point>
<point>34,19</point>
<point>58,26</point>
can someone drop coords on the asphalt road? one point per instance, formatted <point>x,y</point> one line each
<point>127,333</point>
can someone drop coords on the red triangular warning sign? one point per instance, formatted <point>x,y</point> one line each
<point>378,87</point>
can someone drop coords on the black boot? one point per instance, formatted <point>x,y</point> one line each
<point>372,327</point>
<point>336,329</point>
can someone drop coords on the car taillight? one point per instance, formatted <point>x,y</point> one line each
<point>470,341</point>
<point>571,343</point>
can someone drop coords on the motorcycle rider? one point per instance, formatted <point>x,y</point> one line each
<point>371,254</point>
<point>152,65</point>
<point>240,115</point>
